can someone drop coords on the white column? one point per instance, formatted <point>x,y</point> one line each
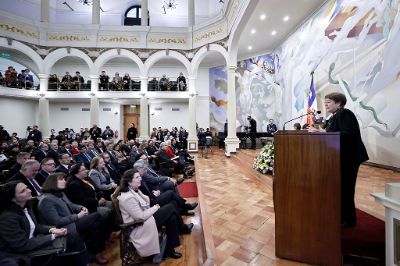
<point>44,117</point>
<point>94,83</point>
<point>44,10</point>
<point>192,138</point>
<point>191,13</point>
<point>94,110</point>
<point>96,12</point>
<point>144,110</point>
<point>231,141</point>
<point>44,82</point>
<point>145,13</point>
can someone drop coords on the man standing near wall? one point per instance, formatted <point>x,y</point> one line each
<point>253,131</point>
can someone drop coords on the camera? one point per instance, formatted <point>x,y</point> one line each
<point>28,128</point>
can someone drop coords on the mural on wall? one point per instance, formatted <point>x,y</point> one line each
<point>257,93</point>
<point>353,47</point>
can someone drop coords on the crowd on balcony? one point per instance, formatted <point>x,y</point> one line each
<point>24,80</point>
<point>72,176</point>
<point>13,79</point>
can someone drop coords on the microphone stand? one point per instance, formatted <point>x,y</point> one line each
<point>284,124</point>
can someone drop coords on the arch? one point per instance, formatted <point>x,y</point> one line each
<point>199,56</point>
<point>163,54</point>
<point>60,53</point>
<point>113,53</point>
<point>238,27</point>
<point>28,51</point>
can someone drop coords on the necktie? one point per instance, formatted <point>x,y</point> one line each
<point>36,186</point>
<point>87,157</point>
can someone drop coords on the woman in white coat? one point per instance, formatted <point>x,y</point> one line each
<point>135,205</point>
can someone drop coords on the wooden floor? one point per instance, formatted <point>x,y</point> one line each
<point>239,206</point>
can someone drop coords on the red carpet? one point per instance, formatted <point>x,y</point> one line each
<point>188,190</point>
<point>367,239</point>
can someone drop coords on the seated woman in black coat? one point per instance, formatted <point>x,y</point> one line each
<point>57,210</point>
<point>80,190</point>
<point>20,235</point>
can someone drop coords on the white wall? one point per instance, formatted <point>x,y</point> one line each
<point>76,118</point>
<point>166,118</point>
<point>203,98</point>
<point>16,114</point>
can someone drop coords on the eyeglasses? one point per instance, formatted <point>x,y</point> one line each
<point>49,164</point>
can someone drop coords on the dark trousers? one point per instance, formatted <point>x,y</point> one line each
<point>171,196</point>
<point>253,140</point>
<point>93,230</point>
<point>169,217</point>
<point>349,173</point>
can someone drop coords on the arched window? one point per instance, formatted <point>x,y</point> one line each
<point>133,16</point>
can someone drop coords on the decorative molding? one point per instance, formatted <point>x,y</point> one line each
<point>167,40</point>
<point>68,38</point>
<point>207,35</point>
<point>13,29</point>
<point>117,39</point>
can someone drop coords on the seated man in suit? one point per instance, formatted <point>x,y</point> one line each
<point>83,156</point>
<point>41,153</point>
<point>156,196</point>
<point>47,167</point>
<point>54,152</point>
<point>29,170</point>
<point>21,158</point>
<point>65,163</point>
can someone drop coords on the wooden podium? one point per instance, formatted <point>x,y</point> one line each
<point>307,197</point>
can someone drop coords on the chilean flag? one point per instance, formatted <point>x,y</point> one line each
<point>312,103</point>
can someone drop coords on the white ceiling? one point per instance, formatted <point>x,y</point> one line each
<point>274,10</point>
<point>262,41</point>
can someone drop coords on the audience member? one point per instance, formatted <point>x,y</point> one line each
<point>56,209</point>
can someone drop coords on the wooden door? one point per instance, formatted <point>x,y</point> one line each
<point>131,115</point>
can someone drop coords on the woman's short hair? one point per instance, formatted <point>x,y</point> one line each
<point>297,126</point>
<point>337,97</point>
<point>95,162</point>
<point>75,168</point>
<point>50,185</point>
<point>126,179</point>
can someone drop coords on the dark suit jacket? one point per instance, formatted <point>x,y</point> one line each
<point>153,180</point>
<point>40,155</point>
<point>53,155</point>
<point>15,230</point>
<point>253,126</point>
<point>20,177</point>
<point>80,193</point>
<point>41,177</point>
<point>61,168</point>
<point>14,169</point>
<point>352,151</point>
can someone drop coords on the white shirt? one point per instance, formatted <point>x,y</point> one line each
<point>31,223</point>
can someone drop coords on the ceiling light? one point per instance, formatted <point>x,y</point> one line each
<point>273,32</point>
<point>263,16</point>
<point>253,31</point>
<point>286,18</point>
<point>250,48</point>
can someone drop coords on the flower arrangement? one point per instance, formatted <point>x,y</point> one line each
<point>264,162</point>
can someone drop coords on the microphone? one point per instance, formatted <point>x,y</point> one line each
<point>308,113</point>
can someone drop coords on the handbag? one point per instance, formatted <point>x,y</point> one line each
<point>163,242</point>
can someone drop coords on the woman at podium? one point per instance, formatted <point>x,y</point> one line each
<point>352,151</point>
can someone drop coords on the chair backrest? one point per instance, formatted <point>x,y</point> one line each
<point>4,176</point>
<point>115,201</point>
